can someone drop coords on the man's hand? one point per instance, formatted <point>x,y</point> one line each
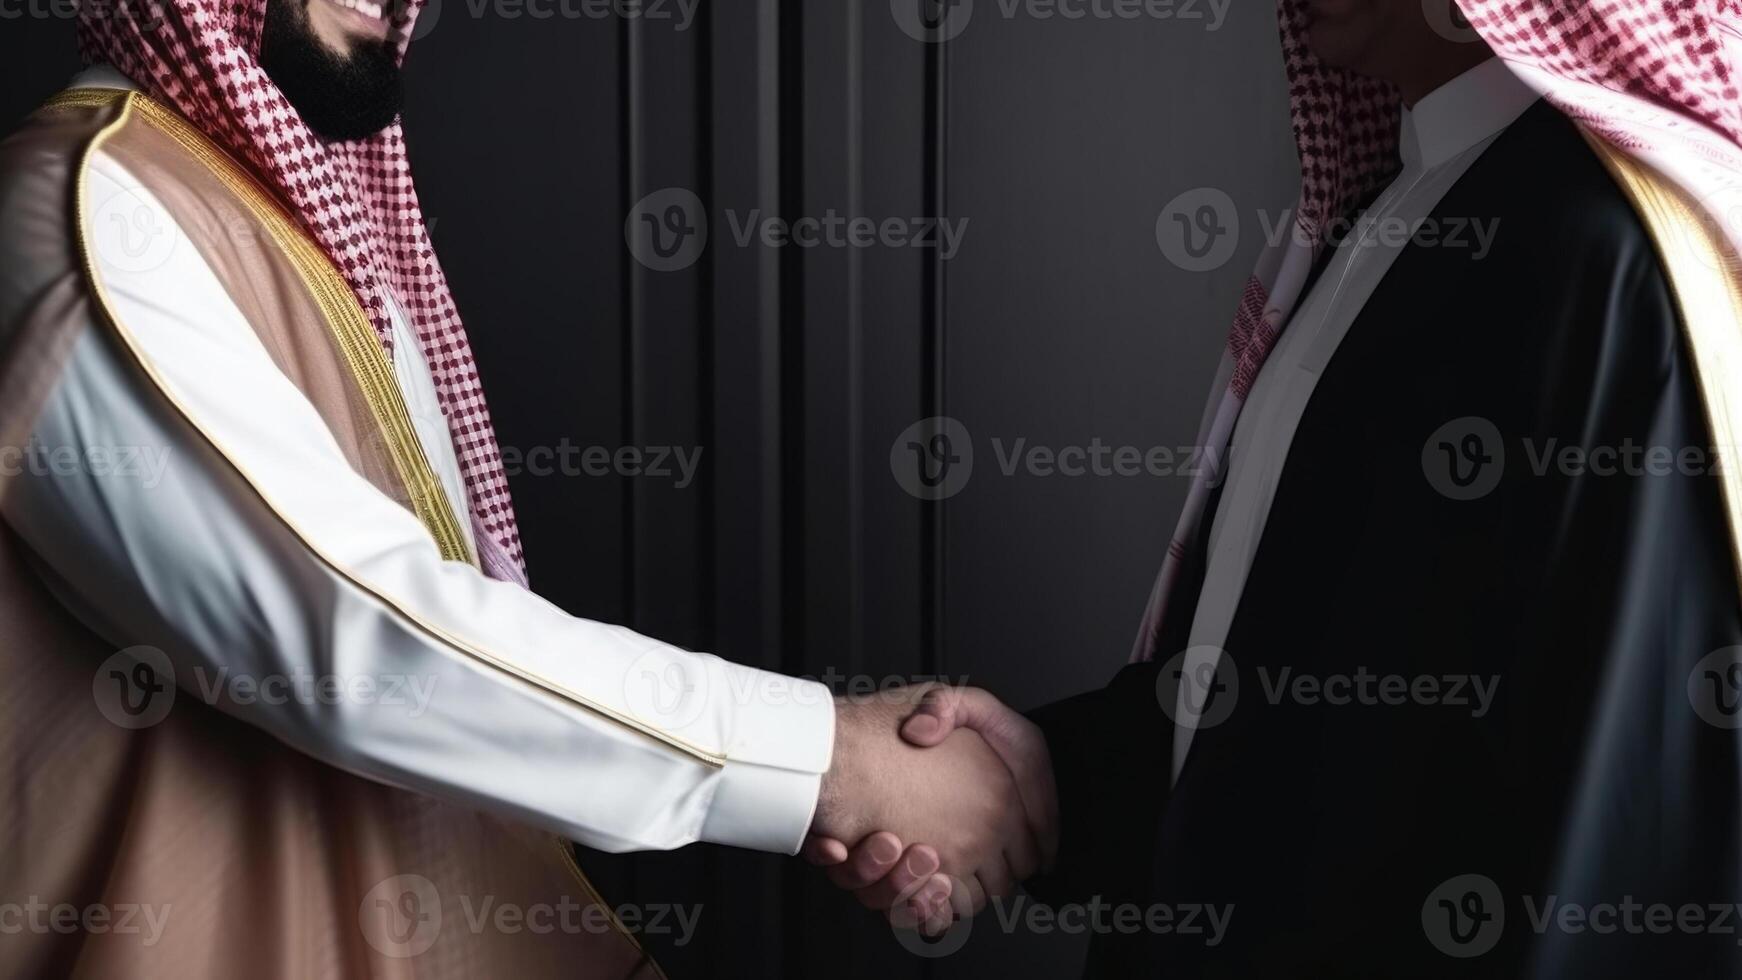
<point>1019,743</point>
<point>956,796</point>
<point>877,869</point>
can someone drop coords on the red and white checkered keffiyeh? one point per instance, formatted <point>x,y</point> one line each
<point>1653,77</point>
<point>357,199</point>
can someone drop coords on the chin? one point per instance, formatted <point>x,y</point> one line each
<point>1342,32</point>
<point>1331,51</point>
<point>1339,45</point>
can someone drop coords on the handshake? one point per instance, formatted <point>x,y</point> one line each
<point>938,799</point>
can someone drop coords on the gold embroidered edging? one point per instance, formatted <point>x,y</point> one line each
<point>85,98</point>
<point>350,326</point>
<point>1708,291</point>
<point>104,304</point>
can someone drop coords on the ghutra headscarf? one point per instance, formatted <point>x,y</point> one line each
<point>201,57</point>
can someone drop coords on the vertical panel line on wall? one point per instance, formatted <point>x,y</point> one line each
<point>794,501</point>
<point>707,433</point>
<point>855,120</point>
<point>629,138</point>
<point>934,354</point>
<point>628,185</point>
<point>794,511</point>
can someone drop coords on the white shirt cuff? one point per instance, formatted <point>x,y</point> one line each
<point>782,742</point>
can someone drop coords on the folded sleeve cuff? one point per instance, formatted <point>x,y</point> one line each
<point>762,809</point>
<point>783,739</point>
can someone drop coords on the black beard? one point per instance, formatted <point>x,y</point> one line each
<point>341,97</point>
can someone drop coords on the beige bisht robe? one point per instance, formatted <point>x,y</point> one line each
<point>246,858</point>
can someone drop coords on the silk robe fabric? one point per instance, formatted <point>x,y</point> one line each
<point>1592,778</point>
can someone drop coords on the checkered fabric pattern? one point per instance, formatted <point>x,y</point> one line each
<point>357,200</point>
<point>1653,77</point>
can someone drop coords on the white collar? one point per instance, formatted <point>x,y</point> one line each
<point>103,76</point>
<point>1463,112</point>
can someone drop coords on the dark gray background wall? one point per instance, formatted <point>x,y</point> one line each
<point>1059,320</point>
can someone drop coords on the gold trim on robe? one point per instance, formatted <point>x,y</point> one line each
<point>1706,278</point>
<point>350,326</point>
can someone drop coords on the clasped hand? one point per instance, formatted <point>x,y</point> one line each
<point>938,799</point>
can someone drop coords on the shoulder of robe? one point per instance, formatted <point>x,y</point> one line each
<point>1589,263</point>
<point>39,167</point>
<point>46,300</point>
<point>179,189</point>
<point>1563,190</point>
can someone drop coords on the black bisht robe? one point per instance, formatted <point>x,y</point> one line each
<point>1593,780</point>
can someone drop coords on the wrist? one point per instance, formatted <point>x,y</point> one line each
<point>829,794</point>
